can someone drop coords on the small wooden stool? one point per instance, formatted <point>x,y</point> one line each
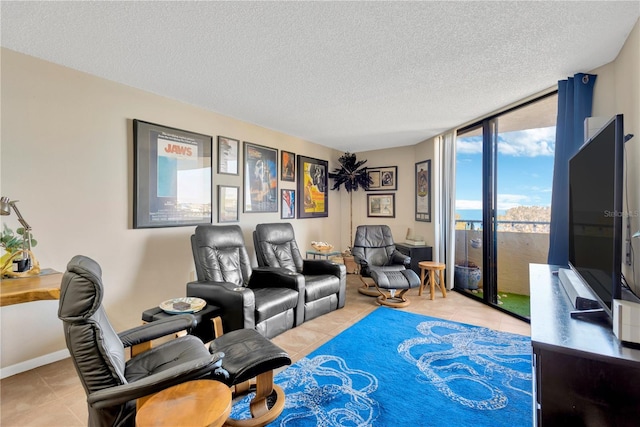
<point>432,267</point>
<point>198,403</point>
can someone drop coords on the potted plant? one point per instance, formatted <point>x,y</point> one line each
<point>467,275</point>
<point>12,242</point>
<point>352,175</point>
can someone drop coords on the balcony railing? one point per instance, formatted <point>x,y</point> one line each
<point>519,244</point>
<point>508,225</point>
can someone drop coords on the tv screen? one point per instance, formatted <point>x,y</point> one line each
<point>595,212</point>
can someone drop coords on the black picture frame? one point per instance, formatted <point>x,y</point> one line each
<point>260,178</point>
<point>423,191</point>
<point>383,178</point>
<point>287,204</point>
<point>228,203</point>
<point>313,188</point>
<point>228,150</point>
<point>287,166</point>
<point>172,176</point>
<point>381,205</point>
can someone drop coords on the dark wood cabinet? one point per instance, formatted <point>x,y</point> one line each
<point>583,376</point>
<point>417,254</point>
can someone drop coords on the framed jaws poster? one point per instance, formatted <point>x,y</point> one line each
<point>172,177</point>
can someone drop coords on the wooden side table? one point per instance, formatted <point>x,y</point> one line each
<point>196,403</point>
<point>432,268</point>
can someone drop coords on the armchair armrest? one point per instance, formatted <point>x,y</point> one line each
<point>157,329</point>
<point>237,303</point>
<point>118,395</point>
<point>320,266</point>
<point>271,277</point>
<point>398,257</point>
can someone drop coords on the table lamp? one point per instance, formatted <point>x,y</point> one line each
<point>5,209</point>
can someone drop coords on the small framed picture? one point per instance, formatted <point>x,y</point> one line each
<point>228,206</point>
<point>260,178</point>
<point>287,204</point>
<point>228,155</point>
<point>383,179</point>
<point>287,166</point>
<point>423,191</point>
<point>381,205</point>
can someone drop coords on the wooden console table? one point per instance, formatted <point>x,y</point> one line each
<point>26,289</point>
<point>582,374</point>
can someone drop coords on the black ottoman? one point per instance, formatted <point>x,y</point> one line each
<point>397,283</point>
<point>247,355</point>
<point>204,327</point>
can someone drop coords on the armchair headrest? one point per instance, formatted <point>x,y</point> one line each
<point>276,246</point>
<point>373,236</point>
<point>219,236</point>
<point>81,290</point>
<point>220,254</point>
<point>276,233</point>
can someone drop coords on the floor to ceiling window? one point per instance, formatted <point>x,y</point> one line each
<point>504,171</point>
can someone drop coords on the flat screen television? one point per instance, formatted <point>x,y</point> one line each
<point>595,212</point>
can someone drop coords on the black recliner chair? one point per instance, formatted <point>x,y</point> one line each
<point>113,385</point>
<point>325,281</point>
<point>269,300</point>
<point>375,251</point>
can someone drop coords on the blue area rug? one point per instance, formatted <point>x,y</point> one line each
<point>401,369</point>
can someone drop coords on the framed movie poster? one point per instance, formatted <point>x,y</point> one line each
<point>423,191</point>
<point>172,177</point>
<point>313,200</point>
<point>260,178</point>
<point>288,166</point>
<point>383,179</point>
<point>287,204</point>
<point>228,204</point>
<point>228,155</point>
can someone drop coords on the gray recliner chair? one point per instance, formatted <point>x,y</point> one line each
<point>375,251</point>
<point>98,353</point>
<point>325,281</point>
<point>269,300</point>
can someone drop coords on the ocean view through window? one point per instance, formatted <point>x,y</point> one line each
<point>504,174</point>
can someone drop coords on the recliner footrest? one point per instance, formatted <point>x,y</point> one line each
<point>399,279</point>
<point>247,354</point>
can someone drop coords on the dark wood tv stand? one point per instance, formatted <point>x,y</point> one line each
<point>583,376</point>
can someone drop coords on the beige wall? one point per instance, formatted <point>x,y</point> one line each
<point>617,91</point>
<point>67,149</point>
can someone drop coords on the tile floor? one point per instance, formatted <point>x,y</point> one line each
<point>52,395</point>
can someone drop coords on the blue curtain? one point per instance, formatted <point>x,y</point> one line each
<point>575,98</point>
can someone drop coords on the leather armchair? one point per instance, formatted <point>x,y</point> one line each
<point>375,251</point>
<point>269,300</point>
<point>98,353</point>
<point>325,281</point>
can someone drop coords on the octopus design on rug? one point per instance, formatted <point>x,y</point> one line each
<point>324,391</point>
<point>470,365</point>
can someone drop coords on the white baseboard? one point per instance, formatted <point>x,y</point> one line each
<point>27,365</point>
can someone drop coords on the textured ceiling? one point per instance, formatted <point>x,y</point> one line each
<point>349,75</point>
